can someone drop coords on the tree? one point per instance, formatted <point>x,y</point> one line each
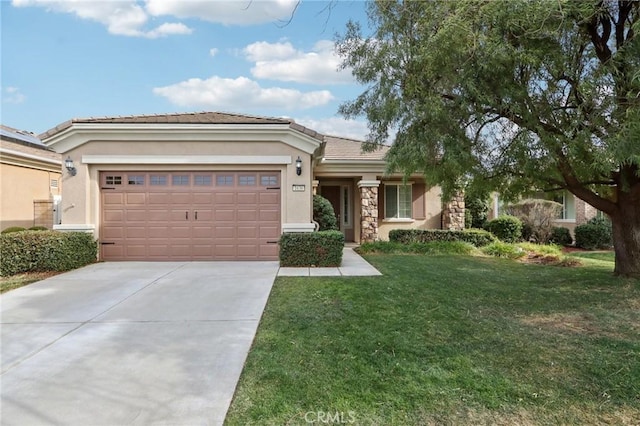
<point>516,96</point>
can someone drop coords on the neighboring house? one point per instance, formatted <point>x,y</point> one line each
<point>30,180</point>
<point>224,186</point>
<point>574,210</point>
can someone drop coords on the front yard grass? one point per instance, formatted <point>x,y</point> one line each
<point>447,340</point>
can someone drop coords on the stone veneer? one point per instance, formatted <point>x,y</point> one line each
<point>368,210</point>
<point>453,213</point>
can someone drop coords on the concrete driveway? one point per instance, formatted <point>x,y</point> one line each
<point>130,343</point>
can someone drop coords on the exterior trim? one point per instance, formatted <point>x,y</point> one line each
<point>298,227</point>
<point>368,183</point>
<point>82,227</point>
<point>186,159</point>
<point>80,133</point>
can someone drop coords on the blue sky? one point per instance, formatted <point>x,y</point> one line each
<point>67,59</point>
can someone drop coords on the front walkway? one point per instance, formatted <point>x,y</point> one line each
<point>353,265</point>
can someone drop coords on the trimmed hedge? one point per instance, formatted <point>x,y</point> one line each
<point>35,251</point>
<point>476,237</point>
<point>561,236</point>
<point>506,228</point>
<point>595,234</point>
<point>323,248</point>
<point>324,214</point>
<point>13,229</point>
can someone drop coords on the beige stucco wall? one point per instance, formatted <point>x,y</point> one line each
<point>19,187</point>
<point>433,212</point>
<point>81,196</point>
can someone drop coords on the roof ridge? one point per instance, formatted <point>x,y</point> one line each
<point>176,114</point>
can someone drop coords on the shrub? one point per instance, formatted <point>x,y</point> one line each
<point>323,248</point>
<point>476,237</point>
<point>538,215</point>
<point>38,228</point>
<point>506,228</point>
<point>34,251</point>
<point>324,214</point>
<point>502,249</point>
<point>478,207</point>
<point>595,234</point>
<point>13,229</point>
<point>561,235</point>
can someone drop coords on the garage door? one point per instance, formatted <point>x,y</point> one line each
<point>190,215</point>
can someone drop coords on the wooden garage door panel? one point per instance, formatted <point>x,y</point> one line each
<point>190,216</point>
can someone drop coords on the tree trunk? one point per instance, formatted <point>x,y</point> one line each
<point>626,239</point>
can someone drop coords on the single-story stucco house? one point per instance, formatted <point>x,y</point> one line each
<point>211,185</point>
<point>30,180</point>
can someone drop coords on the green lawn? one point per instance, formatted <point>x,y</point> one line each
<point>447,340</point>
<point>19,280</point>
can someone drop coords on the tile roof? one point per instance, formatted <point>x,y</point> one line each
<point>20,136</point>
<point>205,117</point>
<point>338,148</point>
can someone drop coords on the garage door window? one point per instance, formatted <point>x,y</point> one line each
<point>113,180</point>
<point>268,180</point>
<point>224,180</point>
<point>202,180</point>
<point>136,180</point>
<point>247,180</point>
<point>179,180</point>
<point>158,179</point>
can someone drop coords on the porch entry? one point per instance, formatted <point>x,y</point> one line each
<point>340,195</point>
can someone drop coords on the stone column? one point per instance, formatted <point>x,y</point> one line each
<point>315,183</point>
<point>453,213</point>
<point>368,210</point>
<point>584,211</point>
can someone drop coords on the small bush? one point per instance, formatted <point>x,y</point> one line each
<point>538,215</point>
<point>541,249</point>
<point>561,235</point>
<point>324,214</point>
<point>506,228</point>
<point>13,229</point>
<point>502,249</point>
<point>36,251</point>
<point>38,228</point>
<point>475,237</point>
<point>323,248</point>
<point>595,234</point>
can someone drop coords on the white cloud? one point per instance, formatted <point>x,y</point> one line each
<point>337,126</point>
<point>246,12</point>
<point>281,61</point>
<point>239,93</point>
<point>127,18</point>
<point>213,51</point>
<point>12,95</point>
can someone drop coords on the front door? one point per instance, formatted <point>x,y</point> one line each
<point>340,198</point>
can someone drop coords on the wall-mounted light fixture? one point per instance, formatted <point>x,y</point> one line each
<point>68,163</point>
<point>299,166</point>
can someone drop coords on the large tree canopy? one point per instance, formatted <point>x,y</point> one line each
<point>514,95</point>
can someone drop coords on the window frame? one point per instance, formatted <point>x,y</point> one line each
<point>397,201</point>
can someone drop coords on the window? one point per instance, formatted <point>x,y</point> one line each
<point>268,180</point>
<point>136,180</point>
<point>397,201</point>
<point>346,206</point>
<point>113,180</point>
<point>180,180</point>
<point>247,180</point>
<point>158,179</point>
<point>568,205</point>
<point>224,180</point>
<point>202,180</point>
